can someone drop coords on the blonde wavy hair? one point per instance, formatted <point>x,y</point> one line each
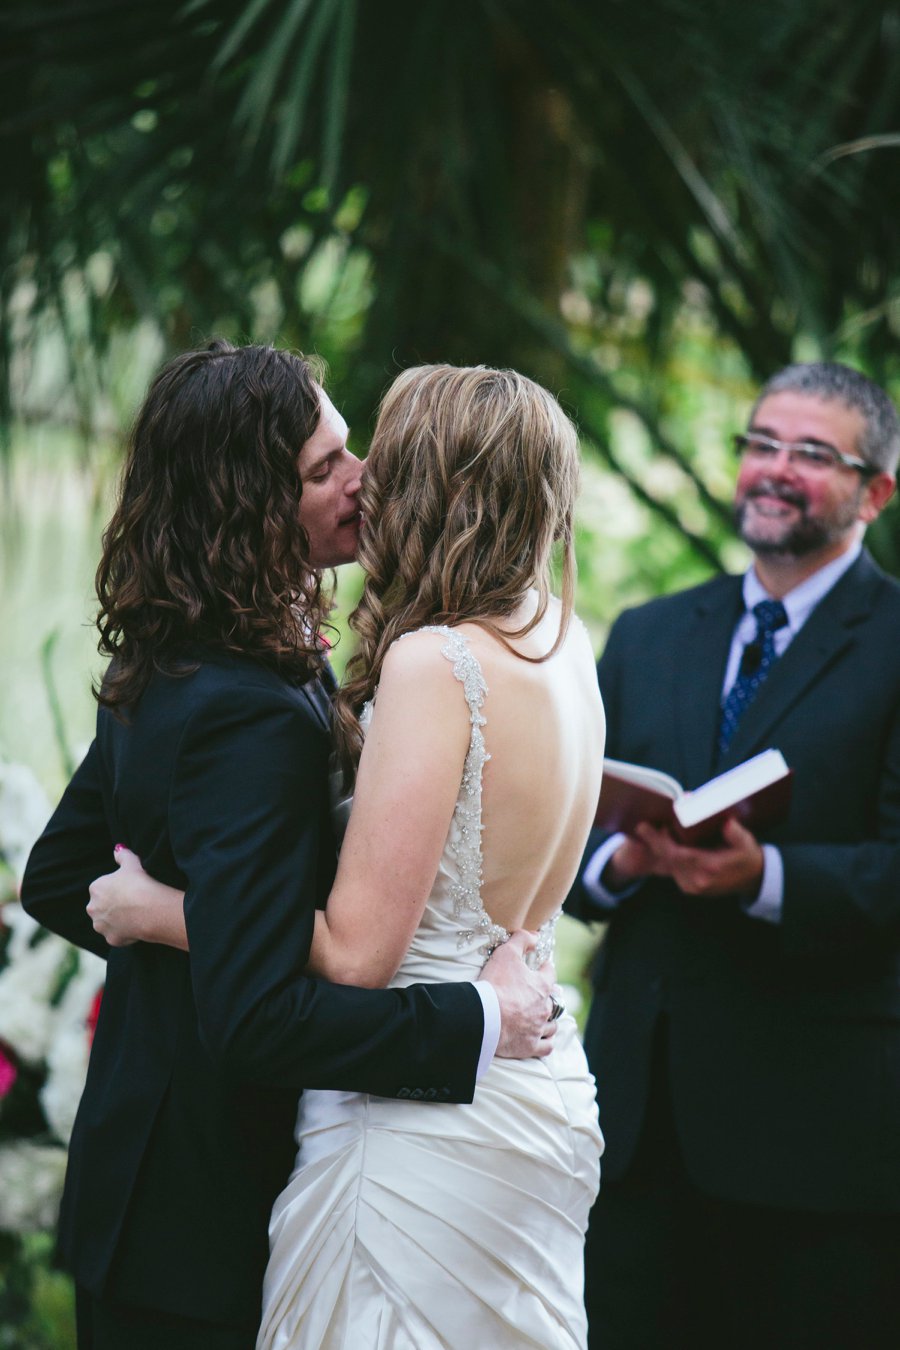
<point>470,485</point>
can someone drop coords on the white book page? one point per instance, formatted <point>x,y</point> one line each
<point>654,779</point>
<point>731,787</point>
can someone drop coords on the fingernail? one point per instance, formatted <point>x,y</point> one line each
<point>118,848</point>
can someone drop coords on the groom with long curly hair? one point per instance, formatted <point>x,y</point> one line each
<point>211,762</point>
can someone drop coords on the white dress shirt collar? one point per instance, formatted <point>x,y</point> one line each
<point>802,600</point>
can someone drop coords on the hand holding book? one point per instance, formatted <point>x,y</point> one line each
<point>731,864</point>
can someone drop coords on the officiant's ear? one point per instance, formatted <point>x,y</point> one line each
<point>878,491</point>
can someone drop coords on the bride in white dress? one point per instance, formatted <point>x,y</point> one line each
<point>473,724</point>
<point>414,1226</point>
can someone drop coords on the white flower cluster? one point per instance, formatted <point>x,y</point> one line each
<point>31,1181</point>
<point>40,1032</point>
<point>24,811</point>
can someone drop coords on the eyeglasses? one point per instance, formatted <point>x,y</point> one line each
<point>813,455</point>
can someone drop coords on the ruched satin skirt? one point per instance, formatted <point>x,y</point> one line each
<point>412,1225</point>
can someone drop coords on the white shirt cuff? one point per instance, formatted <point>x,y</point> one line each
<point>491,1004</point>
<point>770,899</point>
<point>591,877</point>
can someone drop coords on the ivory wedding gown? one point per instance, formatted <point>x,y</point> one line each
<point>412,1226</point>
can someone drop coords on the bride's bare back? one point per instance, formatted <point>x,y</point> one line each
<point>544,731</point>
<point>543,728</point>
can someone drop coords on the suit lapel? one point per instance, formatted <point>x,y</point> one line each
<point>700,658</point>
<point>828,632</point>
<point>315,694</point>
<point>328,680</point>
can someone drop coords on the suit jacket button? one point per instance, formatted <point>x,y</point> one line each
<point>429,1094</point>
<point>403,1092</point>
<point>416,1095</point>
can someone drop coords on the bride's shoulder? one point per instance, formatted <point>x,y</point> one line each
<point>432,659</point>
<point>417,686</point>
<point>423,653</point>
<point>580,633</point>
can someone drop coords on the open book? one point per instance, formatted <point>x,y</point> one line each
<point>757,793</point>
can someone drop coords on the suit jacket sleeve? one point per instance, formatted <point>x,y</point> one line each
<point>75,848</point>
<point>245,825</point>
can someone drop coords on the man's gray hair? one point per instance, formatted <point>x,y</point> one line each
<point>879,444</point>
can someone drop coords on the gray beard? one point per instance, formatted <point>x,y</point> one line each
<point>805,536</point>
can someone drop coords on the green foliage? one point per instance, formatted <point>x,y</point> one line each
<point>570,191</point>
<point>36,1301</point>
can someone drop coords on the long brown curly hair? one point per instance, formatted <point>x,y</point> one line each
<point>470,482</point>
<point>205,546</point>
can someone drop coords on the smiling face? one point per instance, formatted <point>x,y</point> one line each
<point>330,476</point>
<point>793,510</point>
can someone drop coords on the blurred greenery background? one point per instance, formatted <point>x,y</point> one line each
<point>647,208</point>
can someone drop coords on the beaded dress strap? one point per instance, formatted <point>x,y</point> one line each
<point>465,892</point>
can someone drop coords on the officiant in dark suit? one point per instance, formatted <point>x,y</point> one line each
<point>211,761</point>
<point>745,1026</point>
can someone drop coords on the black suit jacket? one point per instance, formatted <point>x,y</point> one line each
<point>185,1131</point>
<point>783,1040</point>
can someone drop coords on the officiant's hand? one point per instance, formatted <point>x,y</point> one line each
<point>632,861</point>
<point>734,867</point>
<point>526,999</point>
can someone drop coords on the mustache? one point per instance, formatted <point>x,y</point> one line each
<point>782,491</point>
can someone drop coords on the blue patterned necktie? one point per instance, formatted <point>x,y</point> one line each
<point>758,658</point>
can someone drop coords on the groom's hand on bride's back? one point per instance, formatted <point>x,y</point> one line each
<point>526,999</point>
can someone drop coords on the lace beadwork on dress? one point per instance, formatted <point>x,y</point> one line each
<point>465,846</point>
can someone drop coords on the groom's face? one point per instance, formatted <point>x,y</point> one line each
<point>330,477</point>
